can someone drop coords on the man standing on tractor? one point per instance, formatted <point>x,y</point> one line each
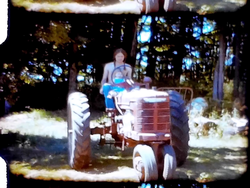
<point>114,73</point>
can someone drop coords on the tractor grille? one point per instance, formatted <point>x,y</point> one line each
<point>152,115</point>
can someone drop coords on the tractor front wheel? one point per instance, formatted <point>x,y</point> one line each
<point>144,163</point>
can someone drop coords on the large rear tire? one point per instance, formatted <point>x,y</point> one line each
<point>149,6</point>
<point>169,162</point>
<point>179,127</point>
<point>152,6</point>
<point>78,131</point>
<point>169,5</point>
<point>166,161</point>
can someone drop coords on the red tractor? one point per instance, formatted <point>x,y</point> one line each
<point>154,122</point>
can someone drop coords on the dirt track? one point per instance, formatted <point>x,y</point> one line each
<point>39,151</point>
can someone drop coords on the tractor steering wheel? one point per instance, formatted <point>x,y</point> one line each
<point>118,70</point>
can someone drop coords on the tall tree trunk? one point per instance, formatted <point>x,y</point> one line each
<point>211,66</point>
<point>219,72</point>
<point>180,42</point>
<point>216,81</point>
<point>134,43</point>
<point>247,91</point>
<point>236,64</point>
<point>73,72</point>
<point>150,69</point>
<point>117,32</point>
<point>130,38</point>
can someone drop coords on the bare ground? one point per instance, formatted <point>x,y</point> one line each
<point>37,148</point>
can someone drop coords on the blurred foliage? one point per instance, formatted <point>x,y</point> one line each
<point>45,52</point>
<point>59,115</point>
<point>174,41</point>
<point>228,90</point>
<point>56,33</point>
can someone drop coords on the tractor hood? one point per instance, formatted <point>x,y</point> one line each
<point>148,95</point>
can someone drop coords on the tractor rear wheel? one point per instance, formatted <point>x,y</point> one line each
<point>169,5</point>
<point>179,127</point>
<point>166,161</point>
<point>169,166</point>
<point>78,130</point>
<point>144,162</point>
<point>151,6</point>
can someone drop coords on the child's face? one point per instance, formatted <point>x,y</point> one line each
<point>118,75</point>
<point>119,57</point>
